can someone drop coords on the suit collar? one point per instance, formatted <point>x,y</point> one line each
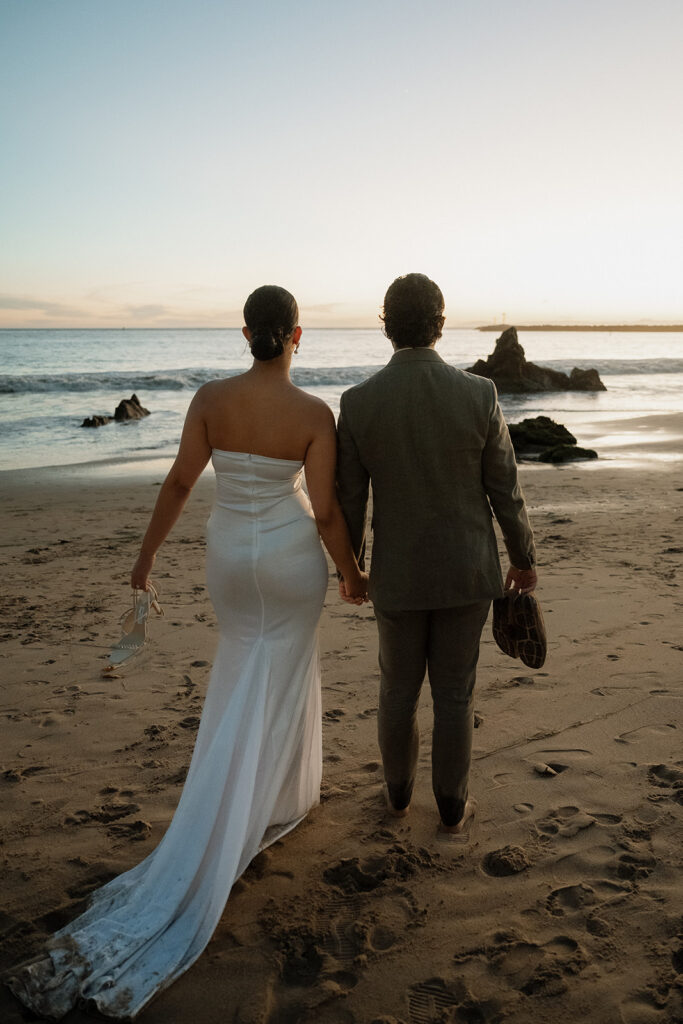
<point>415,355</point>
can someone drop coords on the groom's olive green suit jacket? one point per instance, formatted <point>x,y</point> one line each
<point>432,442</point>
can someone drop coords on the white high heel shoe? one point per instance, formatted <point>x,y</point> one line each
<point>134,624</point>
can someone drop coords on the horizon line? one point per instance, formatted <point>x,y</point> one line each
<point>559,326</point>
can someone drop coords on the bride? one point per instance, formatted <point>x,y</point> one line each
<point>256,766</point>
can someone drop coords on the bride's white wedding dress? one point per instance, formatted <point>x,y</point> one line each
<point>256,766</point>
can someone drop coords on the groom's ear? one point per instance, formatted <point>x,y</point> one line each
<point>247,334</point>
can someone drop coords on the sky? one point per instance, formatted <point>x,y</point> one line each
<point>159,159</point>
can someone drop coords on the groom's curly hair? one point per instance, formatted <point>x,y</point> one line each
<point>413,311</point>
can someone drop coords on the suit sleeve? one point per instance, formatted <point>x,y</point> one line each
<point>499,474</point>
<point>353,486</point>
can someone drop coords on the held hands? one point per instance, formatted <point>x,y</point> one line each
<point>523,580</point>
<point>355,592</point>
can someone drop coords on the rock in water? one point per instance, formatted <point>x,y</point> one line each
<point>512,374</point>
<point>130,409</point>
<point>96,421</point>
<point>586,380</point>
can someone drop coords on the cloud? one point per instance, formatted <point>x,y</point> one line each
<point>147,311</point>
<point>39,305</point>
<point>322,307</point>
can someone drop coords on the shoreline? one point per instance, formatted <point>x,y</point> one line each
<point>626,439</point>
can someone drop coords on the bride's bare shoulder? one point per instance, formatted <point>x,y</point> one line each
<point>316,408</point>
<point>220,385</point>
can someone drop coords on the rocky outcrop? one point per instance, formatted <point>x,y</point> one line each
<point>545,440</point>
<point>567,453</point>
<point>96,421</point>
<point>536,435</point>
<point>127,409</point>
<point>508,368</point>
<point>130,409</point>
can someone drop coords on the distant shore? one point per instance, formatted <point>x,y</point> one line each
<point>674,328</point>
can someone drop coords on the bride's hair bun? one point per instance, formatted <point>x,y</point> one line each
<point>271,314</point>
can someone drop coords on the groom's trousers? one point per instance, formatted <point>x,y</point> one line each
<point>443,642</point>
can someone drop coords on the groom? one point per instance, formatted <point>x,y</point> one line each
<point>432,441</point>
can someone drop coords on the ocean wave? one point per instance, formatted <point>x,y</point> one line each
<point>189,379</point>
<point>108,380</point>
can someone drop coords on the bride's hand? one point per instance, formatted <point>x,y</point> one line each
<point>356,591</point>
<point>139,578</point>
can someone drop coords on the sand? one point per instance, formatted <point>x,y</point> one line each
<point>565,905</point>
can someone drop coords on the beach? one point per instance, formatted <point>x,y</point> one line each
<point>565,905</point>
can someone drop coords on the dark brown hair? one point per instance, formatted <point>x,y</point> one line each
<point>271,314</point>
<point>413,311</point>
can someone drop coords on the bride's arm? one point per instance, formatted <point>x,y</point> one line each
<point>321,464</point>
<point>193,454</point>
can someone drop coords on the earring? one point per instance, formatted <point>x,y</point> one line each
<point>296,350</point>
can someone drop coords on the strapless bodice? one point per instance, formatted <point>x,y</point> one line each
<point>244,481</point>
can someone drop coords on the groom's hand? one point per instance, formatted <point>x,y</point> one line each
<point>523,580</point>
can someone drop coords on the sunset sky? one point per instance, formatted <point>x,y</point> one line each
<point>161,158</point>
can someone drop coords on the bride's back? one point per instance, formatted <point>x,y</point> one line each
<point>263,413</point>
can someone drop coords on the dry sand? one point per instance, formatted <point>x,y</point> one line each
<point>565,906</point>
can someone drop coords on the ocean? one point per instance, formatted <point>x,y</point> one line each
<point>50,380</point>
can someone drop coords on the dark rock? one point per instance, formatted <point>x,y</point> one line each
<point>567,453</point>
<point>542,439</point>
<point>130,409</point>
<point>96,421</point>
<point>539,434</point>
<point>512,374</point>
<point>585,380</point>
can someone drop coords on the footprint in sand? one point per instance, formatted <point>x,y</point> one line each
<point>19,774</point>
<point>334,715</point>
<point>569,898</point>
<point>438,1000</point>
<point>565,821</point>
<point>349,939</point>
<point>134,831</point>
<point>654,1004</point>
<point>104,814</point>
<point>191,722</point>
<point>607,820</point>
<point>536,969</point>
<point>633,864</point>
<point>324,947</point>
<point>516,682</point>
<point>645,732</point>
<point>668,778</point>
<point>399,863</point>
